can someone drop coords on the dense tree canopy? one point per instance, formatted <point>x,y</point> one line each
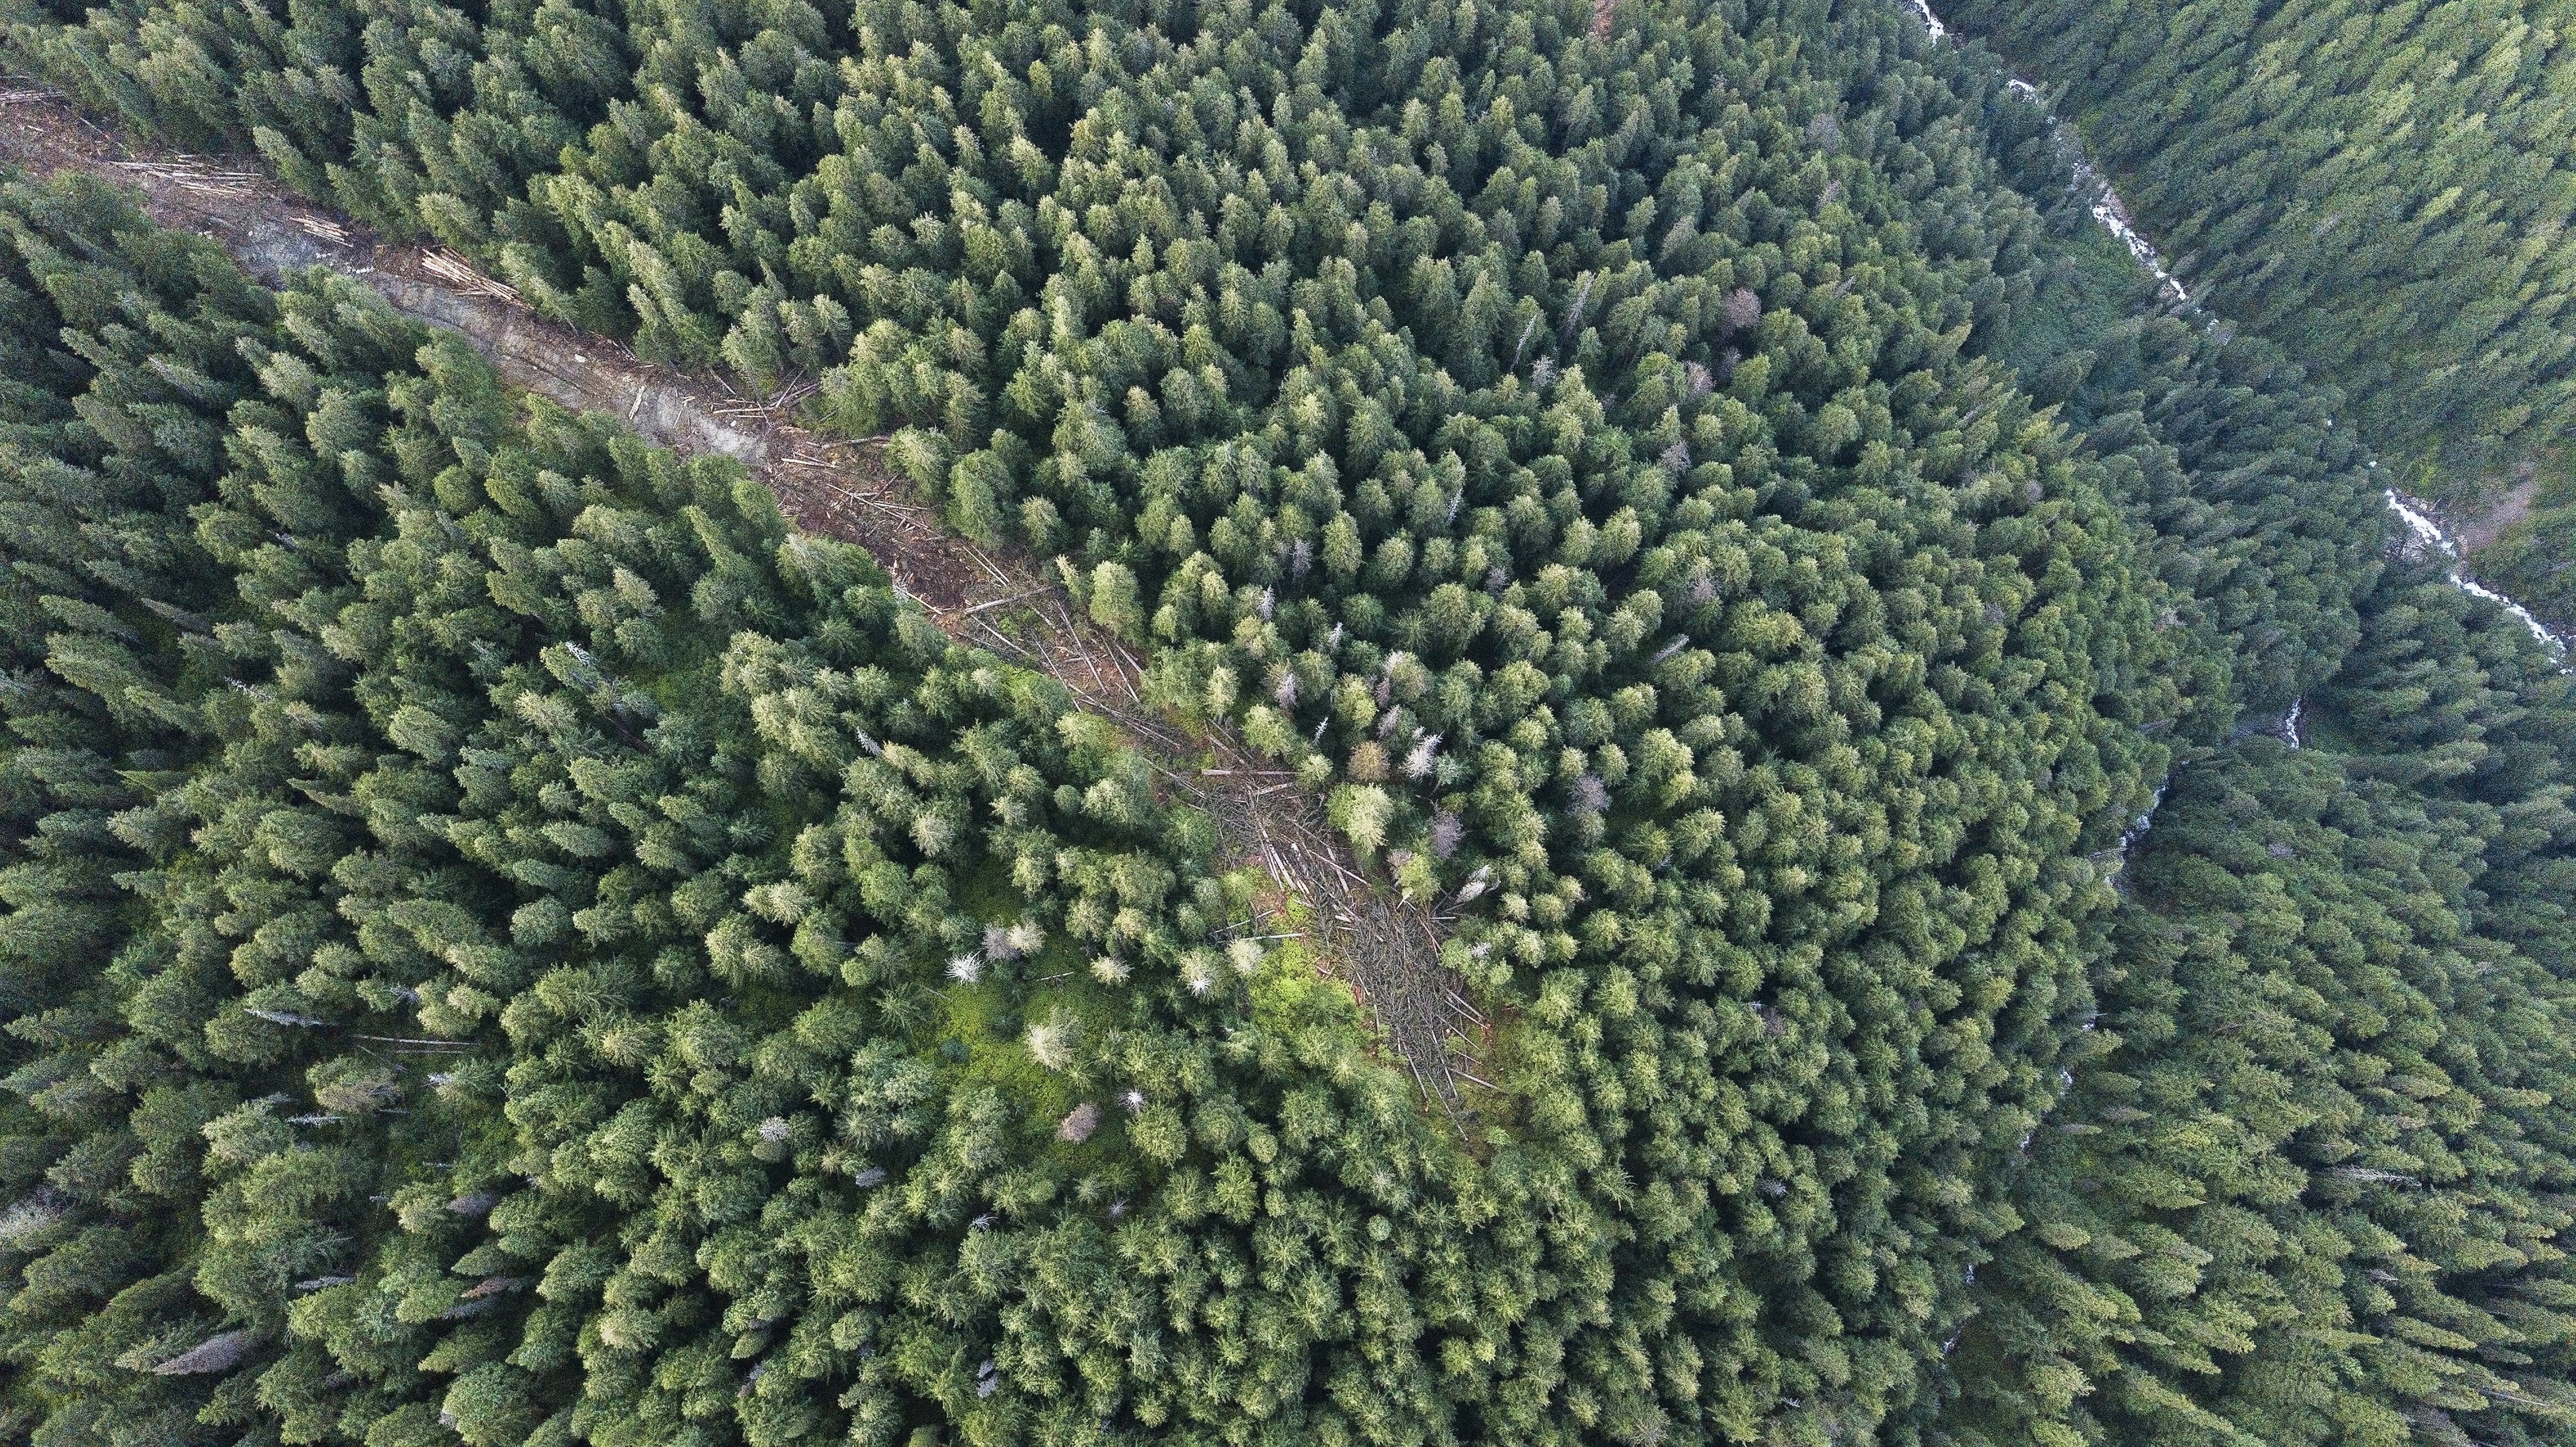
<point>1566,457</point>
<point>578,959</point>
<point>503,941</point>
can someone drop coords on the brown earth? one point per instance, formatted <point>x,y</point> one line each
<point>1385,948</point>
<point>2475,529</point>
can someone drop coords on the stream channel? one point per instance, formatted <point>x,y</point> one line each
<point>2107,208</point>
<point>2113,214</point>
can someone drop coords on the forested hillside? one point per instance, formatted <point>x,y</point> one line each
<point>2380,189</point>
<point>2312,1186</point>
<point>506,942</point>
<point>1788,669</point>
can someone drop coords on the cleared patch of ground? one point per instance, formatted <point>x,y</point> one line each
<point>2476,530</point>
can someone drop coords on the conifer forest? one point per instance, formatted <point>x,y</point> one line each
<point>1287,723</point>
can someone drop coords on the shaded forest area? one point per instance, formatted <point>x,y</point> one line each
<point>2383,191</point>
<point>511,942</point>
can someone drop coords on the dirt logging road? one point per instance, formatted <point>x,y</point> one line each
<point>1384,947</point>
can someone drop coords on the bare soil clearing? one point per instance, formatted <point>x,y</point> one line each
<point>1385,948</point>
<point>2477,531</point>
